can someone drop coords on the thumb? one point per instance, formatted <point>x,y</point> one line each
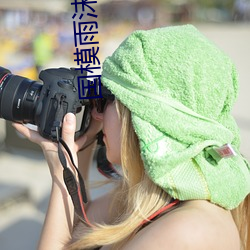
<point>68,129</point>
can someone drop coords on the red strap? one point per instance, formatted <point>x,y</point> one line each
<point>161,210</point>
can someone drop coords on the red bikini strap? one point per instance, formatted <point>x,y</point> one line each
<point>161,210</point>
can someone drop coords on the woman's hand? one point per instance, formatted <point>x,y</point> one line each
<point>50,148</point>
<point>68,132</point>
<point>90,135</point>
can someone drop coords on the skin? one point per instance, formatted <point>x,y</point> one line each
<point>194,225</point>
<point>111,130</point>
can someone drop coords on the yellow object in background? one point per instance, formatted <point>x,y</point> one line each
<point>29,72</point>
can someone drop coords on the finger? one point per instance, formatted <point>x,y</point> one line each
<point>90,135</point>
<point>26,132</point>
<point>68,129</point>
<point>95,127</point>
<point>35,137</point>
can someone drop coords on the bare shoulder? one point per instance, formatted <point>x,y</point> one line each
<point>194,225</point>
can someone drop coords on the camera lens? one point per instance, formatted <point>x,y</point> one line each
<point>18,97</point>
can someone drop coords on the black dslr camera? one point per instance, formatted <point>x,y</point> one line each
<point>26,101</point>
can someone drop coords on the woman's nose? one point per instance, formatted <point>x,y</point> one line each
<point>96,115</point>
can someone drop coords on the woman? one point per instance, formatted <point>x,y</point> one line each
<point>171,130</point>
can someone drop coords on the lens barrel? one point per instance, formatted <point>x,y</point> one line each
<point>18,97</point>
<point>3,73</point>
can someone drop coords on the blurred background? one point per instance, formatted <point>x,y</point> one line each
<point>29,27</point>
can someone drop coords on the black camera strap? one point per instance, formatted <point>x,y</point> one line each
<point>75,188</point>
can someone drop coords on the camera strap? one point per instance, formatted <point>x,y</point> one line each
<point>75,188</point>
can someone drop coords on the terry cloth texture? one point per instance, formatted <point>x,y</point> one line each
<point>180,89</point>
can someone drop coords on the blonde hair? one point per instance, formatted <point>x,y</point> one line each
<point>137,197</point>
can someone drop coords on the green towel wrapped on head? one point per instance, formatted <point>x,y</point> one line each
<point>180,89</point>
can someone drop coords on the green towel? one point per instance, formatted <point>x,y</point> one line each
<point>180,89</point>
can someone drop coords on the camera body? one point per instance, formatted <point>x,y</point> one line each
<point>26,101</point>
<point>59,95</point>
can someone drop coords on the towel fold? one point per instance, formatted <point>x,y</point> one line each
<point>180,89</point>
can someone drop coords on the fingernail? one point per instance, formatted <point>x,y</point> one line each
<point>70,118</point>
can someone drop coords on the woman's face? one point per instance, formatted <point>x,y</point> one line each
<point>111,132</point>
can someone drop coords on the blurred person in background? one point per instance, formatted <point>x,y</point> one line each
<point>241,10</point>
<point>43,49</point>
<point>166,119</point>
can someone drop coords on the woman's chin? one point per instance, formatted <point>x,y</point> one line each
<point>112,159</point>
